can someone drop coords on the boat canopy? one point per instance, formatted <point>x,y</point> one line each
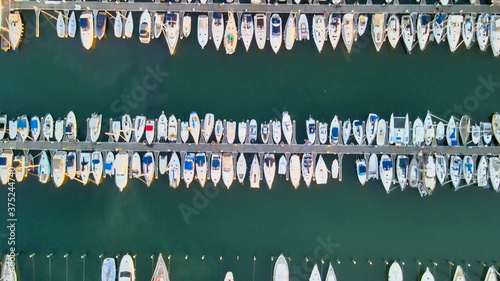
<point>34,124</point>
<point>269,161</point>
<point>21,123</point>
<point>68,129</point>
<point>403,163</point>
<point>95,161</point>
<point>3,161</point>
<point>425,19</point>
<point>439,19</point>
<point>108,166</point>
<point>125,274</point>
<point>312,128</point>
<point>362,169</point>
<point>386,165</point>
<point>335,132</point>
<point>147,160</point>
<point>188,165</point>
<point>216,163</point>
<point>149,127</point>
<point>69,161</point>
<point>200,160</point>
<point>217,15</point>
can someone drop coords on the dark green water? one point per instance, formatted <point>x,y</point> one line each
<point>341,221</point>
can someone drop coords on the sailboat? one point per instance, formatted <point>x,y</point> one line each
<point>371,127</point>
<point>303,28</point>
<point>118,25</point>
<point>468,28</point>
<point>247,30</point>
<point>395,272</point>
<point>321,171</point>
<point>290,31</point>
<point>208,126</point>
<point>281,272</point>
<point>229,276</point>
<point>430,174</point>
<point>108,270</point>
<point>423,30</point>
<point>330,275</point>
<point>394,30</point>
<point>194,126</point>
<point>44,168</point>
<point>455,170</point>
<point>348,26</point>
<point>427,276</point>
<point>483,31</point>
<point>61,26</point>
<point>72,25</point>
<point>241,168</point>
<point>172,30</point>
<point>451,133</point>
<point>276,131</point>
<point>282,165</point>
<point>408,31</point>
<point>319,31</point>
<point>465,129</point>
<point>217,29</point>
<point>495,121</point>
<point>231,35</point>
<point>441,168</point>
<point>438,27</point>
<point>453,28</point>
<point>161,271</point>
<point>334,29</point>
<point>202,30</point>
<point>459,274</point>
<point>378,30</point>
<point>494,170</point>
<point>100,24</point>
<point>242,132</point>
<point>148,167</point>
<point>429,131</point>
<point>491,274</point>
<point>129,26</point>
<point>158,24</point>
<point>135,166</point>
<point>126,127</point>
<point>188,168</point>
<point>255,173</point>
<point>482,172</point>
<point>139,127</point>
<point>19,164</point>
<point>315,275</point>
<point>295,170</point>
<point>9,268</point>
<point>275,32</point>
<point>5,166</point>
<point>287,127</point>
<point>495,34</point>
<point>144,27</point>
<point>346,131</point>
<point>386,171</point>
<point>174,171</point>
<point>86,29</point>
<point>468,168</point>
<point>260,22</point>
<point>15,29</point>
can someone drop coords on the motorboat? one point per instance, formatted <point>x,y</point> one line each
<point>290,31</point>
<point>468,30</point>
<point>116,129</point>
<point>139,127</point>
<point>161,128</point>
<point>186,26</point>
<point>127,127</point>
<point>162,163</point>
<point>303,33</point>
<point>96,166</point>
<point>456,170</point>
<point>19,164</point>
<point>281,272</point>
<point>95,122</point>
<point>109,161</point>
<point>275,32</point>
<point>408,31</point>
<point>334,29</point>
<point>476,134</point>
<point>241,168</point>
<point>311,130</point>
<point>230,132</point>
<point>321,171</point>
<point>172,128</point>
<point>348,32</point>
<point>71,165</point>
<point>121,170</point>
<point>5,166</point>
<point>129,26</point>
<point>495,34</point>
<point>260,22</point>
<point>174,171</point>
<point>295,173</point>
<point>495,121</point>
<point>371,127</point>
<point>386,171</point>
<point>255,173</point>
<point>395,272</point>
<point>72,25</point>
<point>424,22</point>
<point>264,132</point>
<point>393,30</point>
<point>242,132</point>
<point>402,166</point>
<point>100,24</point>
<point>118,25</point>
<point>482,172</point>
<point>361,170</point>
<point>357,129</point>
<point>465,129</point>
<point>494,170</point>
<point>429,132</point>
<point>71,128</point>
<point>483,31</point>
<point>307,168</point>
<point>373,167</point>
<point>252,131</point>
<point>346,131</point>
<point>172,30</point>
<point>323,132</point>
<point>230,35</point>
<point>453,28</point>
<point>61,26</point>
<point>135,166</point>
<point>438,27</point>
<point>202,30</point>
<point>150,131</point>
<point>335,130</point>
<point>459,274</point>
<point>126,271</point>
<point>441,168</point>
<point>9,268</point>
<point>429,177</point>
<point>418,132</point>
<point>381,132</point>
<point>440,133</point>
<point>276,131</point>
<point>414,178</point>
<point>148,168</point>
<point>184,131</point>
<point>15,29</point>
<point>23,127</point>
<point>161,272</point>
<point>487,132</point>
<point>108,270</point>
<point>227,169</point>
<point>282,166</point>
<point>194,126</point>
<point>452,133</point>
<point>286,125</point>
<point>378,30</point>
<point>208,126</point>
<point>215,168</point>
<point>427,276</point>
<point>188,168</point>
<point>44,167</point>
<point>144,27</point>
<point>269,169</point>
<point>468,169</point>
<point>319,31</point>
<point>399,130</point>
<point>247,30</point>
<point>315,275</point>
<point>35,128</point>
<point>362,24</point>
<point>491,274</point>
<point>217,29</point>
<point>335,169</point>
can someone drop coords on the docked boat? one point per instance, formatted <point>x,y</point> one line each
<point>265,132</point>
<point>441,168</point>
<point>414,178</point>
<point>135,166</point>
<point>315,275</point>
<point>188,168</point>
<point>118,25</point>
<point>247,30</point>
<point>200,161</point>
<point>217,29</point>
<point>229,276</point>
<point>127,127</point>
<point>35,128</point>
<point>121,170</point>
<point>483,31</point>
<point>459,274</point>
<point>172,128</point>
<point>482,172</point>
<point>108,270</point>
<point>494,170</point>
<point>371,127</point>
<point>172,30</point>
<point>357,129</point>
<point>287,127</point>
<point>476,134</point>
<point>231,132</point>
<point>418,132</point>
<point>148,168</point>
<point>174,171</point>
<point>22,127</point>
<point>346,131</point>
<point>126,271</point>
<point>208,127</point>
<point>281,272</point>
<point>334,29</point>
<point>319,31</point>
<point>95,122</point>
<point>96,166</point>
<point>255,173</point>
<point>162,163</point>
<point>72,25</point>
<point>452,133</point>
<point>87,29</point>
<point>145,27</point>
<point>468,169</point>
<point>241,168</point>
<point>252,131</point>
<point>321,171</point>
<point>399,130</point>
<point>334,130</point>
<point>44,168</point>
<point>361,170</point>
<point>5,166</point>
<point>438,27</point>
<point>202,30</point>
<point>429,177</point>
<point>150,131</point>
<point>456,170</point>
<point>116,129</point>
<point>129,26</point>
<point>373,167</point>
<point>378,30</point>
<point>15,29</point>
<point>71,165</point>
<point>9,268</point>
<point>275,32</point>
<point>303,28</point>
<point>427,276</point>
<point>295,170</point>
<point>269,169</point>
<point>330,275</point>
<point>230,35</point>
<point>109,169</point>
<point>323,132</point>
<point>139,127</point>
<point>290,31</point>
<point>311,130</point>
<point>186,26</point>
<point>161,272</point>
<point>307,169</point>
<point>495,34</point>
<point>215,168</point>
<point>408,31</point>
<point>395,272</point>
<point>71,128</point>
<point>381,132</point>
<point>194,126</point>
<point>61,26</point>
<point>453,28</point>
<point>487,132</point>
<point>19,164</point>
<point>276,131</point>
<point>491,274</point>
<point>402,166</point>
<point>161,128</point>
<point>393,30</point>
<point>495,121</point>
<point>429,132</point>
<point>468,30</point>
<point>348,26</point>
<point>440,132</point>
<point>100,24</point>
<point>184,131</point>
<point>465,129</point>
<point>335,169</point>
<point>424,22</point>
<point>362,24</point>
<point>386,171</point>
<point>4,126</point>
<point>242,132</point>
<point>227,169</point>
<point>282,166</point>
<point>260,22</point>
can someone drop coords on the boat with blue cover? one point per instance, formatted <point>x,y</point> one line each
<point>100,24</point>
